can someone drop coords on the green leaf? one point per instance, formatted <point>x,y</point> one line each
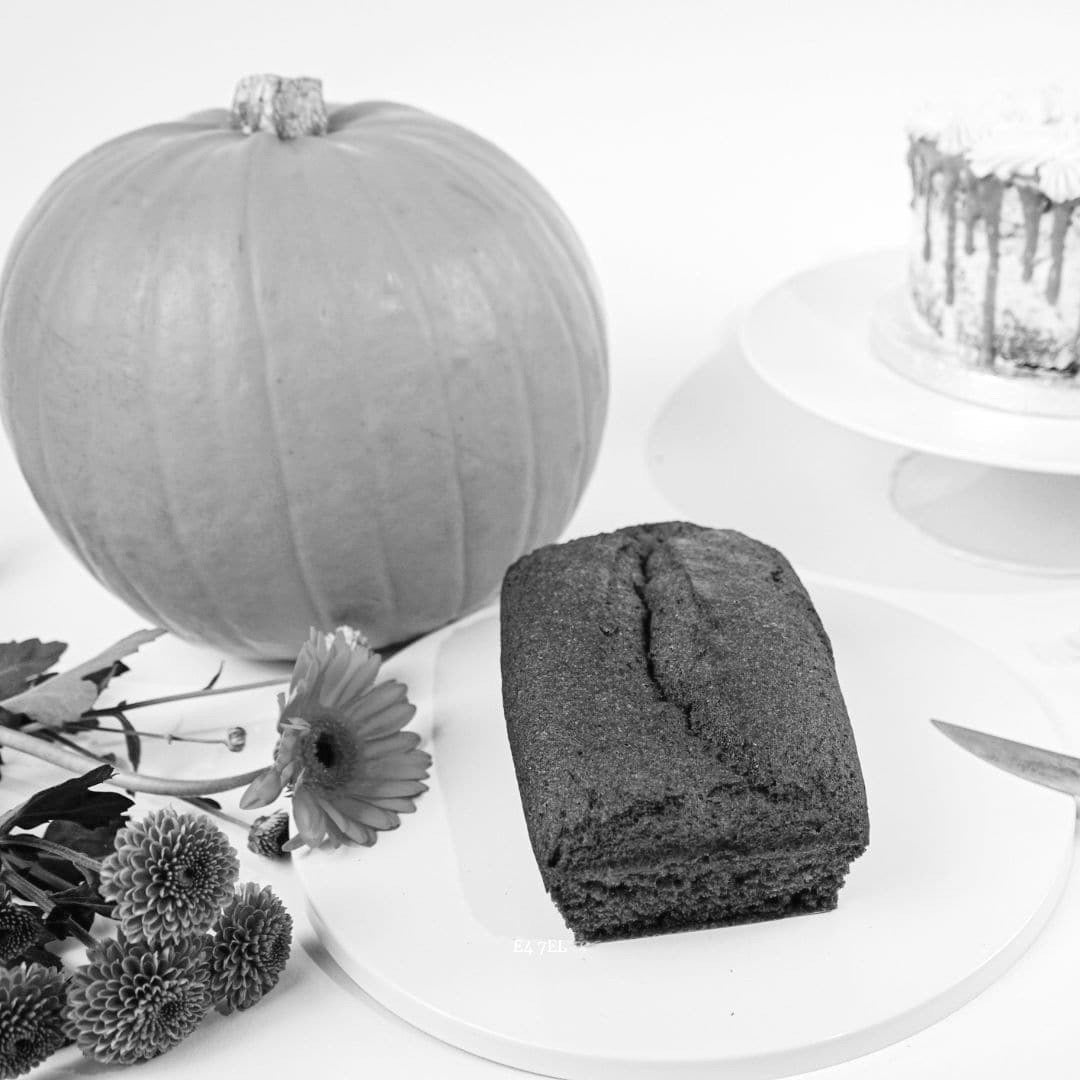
<point>21,661</point>
<point>64,922</point>
<point>97,842</point>
<point>132,740</point>
<point>74,910</point>
<point>204,802</point>
<point>217,675</point>
<point>102,678</point>
<point>67,696</point>
<point>70,801</point>
<point>50,874</point>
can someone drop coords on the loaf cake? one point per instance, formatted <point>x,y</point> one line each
<point>994,260</point>
<point>682,748</point>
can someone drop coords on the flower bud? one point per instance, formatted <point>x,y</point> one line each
<point>269,834</point>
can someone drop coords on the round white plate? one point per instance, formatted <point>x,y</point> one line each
<point>446,921</point>
<point>727,450</point>
<point>810,338</point>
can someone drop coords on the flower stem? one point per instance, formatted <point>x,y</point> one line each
<point>50,878</point>
<point>50,847</point>
<point>129,781</point>
<point>77,931</point>
<point>55,736</point>
<point>206,808</point>
<point>113,710</point>
<point>26,889</point>
<point>193,800</point>
<point>167,737</point>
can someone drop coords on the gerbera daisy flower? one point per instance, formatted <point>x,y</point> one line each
<point>31,1017</point>
<point>169,876</point>
<point>133,1001</point>
<point>251,943</point>
<point>342,754</point>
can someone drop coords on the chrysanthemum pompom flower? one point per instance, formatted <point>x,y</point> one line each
<point>31,1017</point>
<point>169,876</point>
<point>351,769</point>
<point>251,944</point>
<point>133,1001</point>
<point>20,927</point>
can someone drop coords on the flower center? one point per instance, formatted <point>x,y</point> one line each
<point>181,877</point>
<point>23,1046</point>
<point>329,751</point>
<point>325,752</point>
<point>171,1010</point>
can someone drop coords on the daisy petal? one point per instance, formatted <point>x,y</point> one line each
<point>339,670</point>
<point>309,817</point>
<point>379,697</point>
<point>354,827</point>
<point>348,693</point>
<point>358,810</point>
<point>403,766</point>
<point>399,805</point>
<point>379,788</point>
<point>399,742</point>
<point>264,789</point>
<point>335,837</point>
<point>307,664</point>
<point>386,721</point>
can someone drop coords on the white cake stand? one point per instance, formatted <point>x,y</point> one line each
<point>726,450</point>
<point>997,485</point>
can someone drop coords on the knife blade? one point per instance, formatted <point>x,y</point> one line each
<point>1047,767</point>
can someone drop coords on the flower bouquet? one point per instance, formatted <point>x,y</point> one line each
<point>186,936</point>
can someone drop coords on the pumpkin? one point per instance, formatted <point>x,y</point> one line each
<point>286,365</point>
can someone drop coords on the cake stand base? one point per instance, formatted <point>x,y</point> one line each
<point>1009,518</point>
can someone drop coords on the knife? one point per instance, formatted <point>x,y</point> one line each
<point>1053,770</point>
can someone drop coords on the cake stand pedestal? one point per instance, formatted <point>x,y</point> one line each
<point>1021,521</point>
<point>1000,487</point>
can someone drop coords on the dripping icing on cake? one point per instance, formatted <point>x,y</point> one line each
<point>994,263</point>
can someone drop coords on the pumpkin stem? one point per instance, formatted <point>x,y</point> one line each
<point>287,107</point>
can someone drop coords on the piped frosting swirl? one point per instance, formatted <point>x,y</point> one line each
<point>1032,137</point>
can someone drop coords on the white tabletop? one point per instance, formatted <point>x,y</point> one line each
<point>704,150</point>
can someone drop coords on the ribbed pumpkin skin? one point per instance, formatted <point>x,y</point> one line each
<point>258,385</point>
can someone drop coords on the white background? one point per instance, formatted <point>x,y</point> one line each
<point>704,151</point>
<point>704,148</point>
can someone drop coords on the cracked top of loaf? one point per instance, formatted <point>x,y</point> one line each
<point>671,684</point>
